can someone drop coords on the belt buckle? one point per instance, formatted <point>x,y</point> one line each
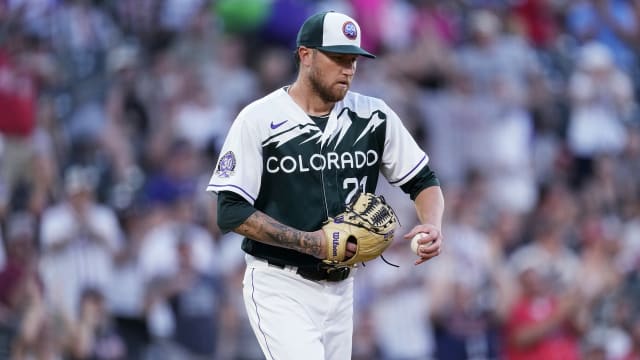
<point>338,273</point>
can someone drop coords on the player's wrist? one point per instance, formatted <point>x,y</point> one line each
<point>313,243</point>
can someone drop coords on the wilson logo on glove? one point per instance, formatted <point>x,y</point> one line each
<point>368,220</point>
<point>336,242</point>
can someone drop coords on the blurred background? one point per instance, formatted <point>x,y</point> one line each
<point>112,113</point>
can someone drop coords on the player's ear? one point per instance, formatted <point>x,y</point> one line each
<point>304,55</point>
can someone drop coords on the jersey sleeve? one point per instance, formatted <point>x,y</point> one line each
<point>239,167</point>
<point>402,158</point>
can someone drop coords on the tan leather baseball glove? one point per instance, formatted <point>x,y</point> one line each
<point>367,221</point>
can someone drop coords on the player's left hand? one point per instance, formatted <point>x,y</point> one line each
<point>430,245</point>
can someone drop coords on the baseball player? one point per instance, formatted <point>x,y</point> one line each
<point>289,164</point>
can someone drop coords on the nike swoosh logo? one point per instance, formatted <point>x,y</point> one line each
<point>275,126</point>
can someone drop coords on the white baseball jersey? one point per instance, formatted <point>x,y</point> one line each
<point>300,173</point>
<point>278,159</point>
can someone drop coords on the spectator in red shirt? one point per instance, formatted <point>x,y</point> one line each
<point>542,324</point>
<point>17,98</point>
<point>539,19</point>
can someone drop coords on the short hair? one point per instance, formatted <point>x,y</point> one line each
<point>296,57</point>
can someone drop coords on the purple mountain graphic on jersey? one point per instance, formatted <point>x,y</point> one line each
<point>275,126</point>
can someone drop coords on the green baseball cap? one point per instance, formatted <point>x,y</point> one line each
<point>331,31</point>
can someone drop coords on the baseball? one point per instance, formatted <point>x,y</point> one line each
<point>414,242</point>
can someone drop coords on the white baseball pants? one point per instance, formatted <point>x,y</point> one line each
<point>294,318</point>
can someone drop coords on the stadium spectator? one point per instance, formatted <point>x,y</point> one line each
<point>94,335</point>
<point>543,324</point>
<point>195,300</point>
<point>602,102</point>
<point>78,239</point>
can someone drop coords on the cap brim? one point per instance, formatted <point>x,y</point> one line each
<point>346,49</point>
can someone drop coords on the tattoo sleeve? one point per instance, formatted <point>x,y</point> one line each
<point>265,229</point>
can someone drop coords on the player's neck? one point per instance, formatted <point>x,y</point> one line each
<point>308,100</point>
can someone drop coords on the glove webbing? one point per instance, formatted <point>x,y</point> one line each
<point>380,215</point>
<point>373,228</point>
<point>376,219</point>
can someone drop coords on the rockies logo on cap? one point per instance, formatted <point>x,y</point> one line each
<point>350,30</point>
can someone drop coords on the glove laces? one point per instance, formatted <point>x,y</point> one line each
<point>386,262</point>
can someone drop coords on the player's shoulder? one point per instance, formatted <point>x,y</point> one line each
<point>363,103</point>
<point>262,107</point>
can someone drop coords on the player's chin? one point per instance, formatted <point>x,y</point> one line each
<point>340,91</point>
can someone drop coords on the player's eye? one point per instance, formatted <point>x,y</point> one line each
<point>344,60</point>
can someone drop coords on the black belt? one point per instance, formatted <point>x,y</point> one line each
<point>318,272</point>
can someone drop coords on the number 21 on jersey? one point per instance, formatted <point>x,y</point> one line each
<point>353,184</point>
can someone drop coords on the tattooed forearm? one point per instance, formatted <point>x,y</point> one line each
<point>312,244</point>
<point>263,228</point>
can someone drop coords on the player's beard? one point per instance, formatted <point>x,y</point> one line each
<point>324,91</point>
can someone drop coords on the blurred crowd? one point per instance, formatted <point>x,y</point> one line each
<point>112,113</point>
